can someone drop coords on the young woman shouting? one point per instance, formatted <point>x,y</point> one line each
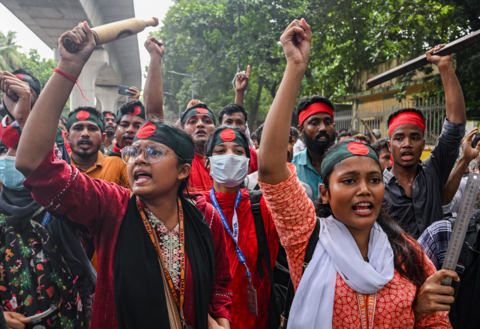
<point>365,271</point>
<point>159,265</point>
<point>228,157</point>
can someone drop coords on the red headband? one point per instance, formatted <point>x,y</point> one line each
<point>406,118</point>
<point>314,109</point>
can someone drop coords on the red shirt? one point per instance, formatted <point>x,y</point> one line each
<point>253,160</point>
<point>101,207</point>
<point>247,241</point>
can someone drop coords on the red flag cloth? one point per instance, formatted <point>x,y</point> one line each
<point>200,179</point>
<point>253,160</point>
<point>247,241</point>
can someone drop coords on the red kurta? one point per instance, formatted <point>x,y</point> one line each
<point>200,179</point>
<point>101,207</point>
<point>247,241</point>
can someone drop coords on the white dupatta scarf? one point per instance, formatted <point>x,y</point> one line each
<point>337,251</point>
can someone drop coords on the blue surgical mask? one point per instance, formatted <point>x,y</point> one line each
<point>229,170</point>
<point>9,175</point>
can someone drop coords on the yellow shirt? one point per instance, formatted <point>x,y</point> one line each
<point>109,168</point>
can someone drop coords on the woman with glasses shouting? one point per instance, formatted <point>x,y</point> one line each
<point>161,257</point>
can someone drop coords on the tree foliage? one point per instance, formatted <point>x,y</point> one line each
<point>203,37</point>
<point>9,55</point>
<point>42,68</point>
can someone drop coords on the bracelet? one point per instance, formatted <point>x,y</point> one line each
<point>71,78</point>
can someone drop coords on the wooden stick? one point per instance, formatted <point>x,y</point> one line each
<point>418,62</point>
<point>114,31</point>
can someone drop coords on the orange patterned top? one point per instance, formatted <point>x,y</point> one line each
<point>294,216</point>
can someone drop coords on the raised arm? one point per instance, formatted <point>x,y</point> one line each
<point>469,153</point>
<point>40,131</point>
<point>153,93</point>
<point>296,42</point>
<point>17,97</point>
<point>453,92</point>
<point>241,84</point>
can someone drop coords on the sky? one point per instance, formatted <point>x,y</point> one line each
<point>27,39</point>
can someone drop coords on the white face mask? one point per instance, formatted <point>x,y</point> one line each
<point>229,170</point>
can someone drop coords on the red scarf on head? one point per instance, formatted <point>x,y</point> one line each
<point>314,109</point>
<point>406,118</point>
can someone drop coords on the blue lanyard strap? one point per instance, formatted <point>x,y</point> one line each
<point>234,235</point>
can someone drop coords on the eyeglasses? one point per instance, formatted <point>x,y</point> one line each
<point>153,154</point>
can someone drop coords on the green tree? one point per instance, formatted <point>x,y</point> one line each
<point>9,56</point>
<point>42,68</point>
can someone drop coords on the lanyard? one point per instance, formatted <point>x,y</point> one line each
<point>366,305</point>
<point>233,234</point>
<point>46,219</point>
<point>180,301</point>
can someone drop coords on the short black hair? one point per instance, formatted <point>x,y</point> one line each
<point>127,107</point>
<point>307,101</point>
<point>89,109</point>
<point>230,109</point>
<point>259,133</point>
<point>25,72</point>
<point>343,134</point>
<point>342,130</point>
<point>397,112</point>
<point>253,136</point>
<point>294,132</point>
<point>475,140</point>
<point>379,145</point>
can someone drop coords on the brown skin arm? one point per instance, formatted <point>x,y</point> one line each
<point>16,320</point>
<point>373,139</point>
<point>153,93</point>
<point>40,131</point>
<point>296,42</point>
<point>469,153</point>
<point>453,92</point>
<point>241,84</point>
<point>16,95</point>
<point>432,296</point>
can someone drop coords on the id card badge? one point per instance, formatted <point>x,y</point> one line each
<point>252,299</point>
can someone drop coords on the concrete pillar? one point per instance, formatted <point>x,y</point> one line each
<point>108,97</point>
<point>97,62</point>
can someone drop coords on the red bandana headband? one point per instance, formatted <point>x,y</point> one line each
<point>406,118</point>
<point>314,109</point>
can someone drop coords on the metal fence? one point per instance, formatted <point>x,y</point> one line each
<point>376,117</point>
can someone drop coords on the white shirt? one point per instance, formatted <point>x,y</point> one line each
<point>298,147</point>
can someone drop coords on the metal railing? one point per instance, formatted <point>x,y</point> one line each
<point>376,117</point>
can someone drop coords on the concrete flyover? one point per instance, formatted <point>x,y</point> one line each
<point>113,64</point>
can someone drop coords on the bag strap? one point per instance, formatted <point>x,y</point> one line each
<point>263,250</point>
<point>312,244</point>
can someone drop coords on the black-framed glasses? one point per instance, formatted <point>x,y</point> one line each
<point>153,154</point>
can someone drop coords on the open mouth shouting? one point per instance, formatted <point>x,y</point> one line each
<point>141,176</point>
<point>406,156</point>
<point>363,208</point>
<point>128,138</point>
<point>84,144</point>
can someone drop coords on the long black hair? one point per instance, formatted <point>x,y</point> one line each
<point>408,260</point>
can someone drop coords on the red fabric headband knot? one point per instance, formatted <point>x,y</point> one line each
<point>314,109</point>
<point>406,118</point>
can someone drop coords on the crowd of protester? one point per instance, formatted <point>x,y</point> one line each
<point>125,220</point>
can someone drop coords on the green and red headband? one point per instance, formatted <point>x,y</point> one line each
<point>10,135</point>
<point>344,151</point>
<point>314,109</point>
<point>85,115</point>
<point>406,118</point>
<point>109,115</point>
<point>161,133</point>
<point>201,109</point>
<point>28,79</point>
<point>138,110</point>
<point>228,134</point>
